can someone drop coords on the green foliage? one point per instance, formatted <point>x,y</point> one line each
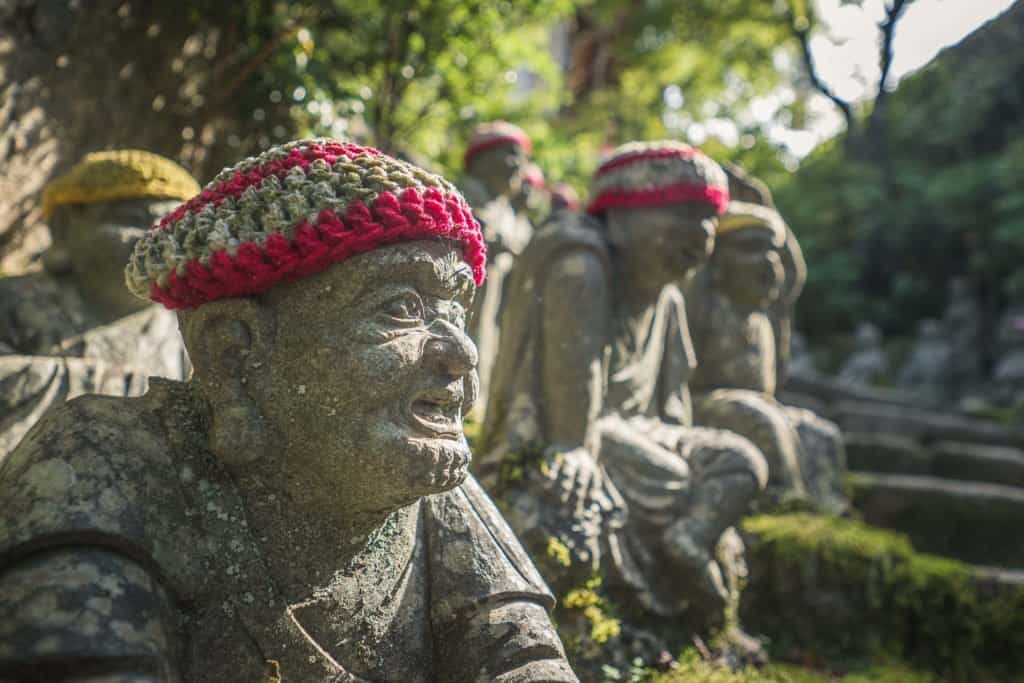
<point>840,593</point>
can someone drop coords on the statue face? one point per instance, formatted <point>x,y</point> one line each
<point>500,169</point>
<point>372,373</point>
<point>97,241</point>
<point>747,267</point>
<point>672,240</point>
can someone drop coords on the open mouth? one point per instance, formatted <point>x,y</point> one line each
<point>438,414</point>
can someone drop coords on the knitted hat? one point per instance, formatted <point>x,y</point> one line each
<point>741,215</point>
<point>564,195</point>
<point>120,174</point>
<point>495,133</point>
<point>291,212</point>
<point>657,173</point>
<point>533,176</point>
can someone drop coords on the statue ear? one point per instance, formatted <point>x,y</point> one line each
<point>227,341</point>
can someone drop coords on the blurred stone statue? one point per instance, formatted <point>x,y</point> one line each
<point>729,304</point>
<point>962,323</point>
<point>534,198</point>
<point>589,436</point>
<point>301,509</point>
<point>564,198</point>
<point>927,370</point>
<point>868,363</point>
<point>495,162</point>
<point>1008,375</point>
<point>801,362</point>
<point>73,328</point>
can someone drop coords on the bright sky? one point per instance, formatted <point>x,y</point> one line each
<point>847,59</point>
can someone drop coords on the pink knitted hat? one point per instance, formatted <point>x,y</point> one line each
<point>657,173</point>
<point>563,194</point>
<point>291,212</point>
<point>533,176</point>
<point>495,133</point>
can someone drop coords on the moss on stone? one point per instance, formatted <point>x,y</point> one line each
<point>840,593</point>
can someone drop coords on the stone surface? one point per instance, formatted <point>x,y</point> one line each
<point>589,434</point>
<point>886,453</point>
<point>972,521</point>
<point>74,328</point>
<point>301,508</point>
<point>1008,375</point>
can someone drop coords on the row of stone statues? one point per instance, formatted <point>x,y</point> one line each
<point>297,504</point>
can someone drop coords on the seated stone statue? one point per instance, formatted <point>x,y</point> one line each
<point>927,370</point>
<point>300,510</point>
<point>729,304</point>
<point>963,327</point>
<point>1008,375</point>
<point>588,434</point>
<point>74,328</point>
<point>868,364</point>
<point>496,162</point>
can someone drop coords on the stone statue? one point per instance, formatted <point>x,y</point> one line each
<point>801,362</point>
<point>564,198</point>
<point>534,198</point>
<point>927,370</point>
<point>73,328</point>
<point>1008,376</point>
<point>589,438</point>
<point>495,161</point>
<point>301,509</point>
<point>962,323</point>
<point>868,363</point>
<point>734,384</point>
<point>747,189</point>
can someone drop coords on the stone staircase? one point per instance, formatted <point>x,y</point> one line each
<point>953,483</point>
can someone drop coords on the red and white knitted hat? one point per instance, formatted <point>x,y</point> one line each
<point>657,173</point>
<point>488,135</point>
<point>291,212</point>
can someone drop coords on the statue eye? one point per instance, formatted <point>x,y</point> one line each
<point>405,307</point>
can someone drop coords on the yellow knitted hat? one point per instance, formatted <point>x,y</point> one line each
<point>740,215</point>
<point>119,174</point>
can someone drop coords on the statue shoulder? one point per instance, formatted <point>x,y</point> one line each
<point>571,237</point>
<point>97,471</point>
<point>466,532</point>
<point>36,313</point>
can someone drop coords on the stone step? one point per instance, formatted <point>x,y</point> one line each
<point>977,522</point>
<point>896,454</point>
<point>925,426</point>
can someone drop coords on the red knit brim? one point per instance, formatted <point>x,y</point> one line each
<point>390,219</point>
<point>478,147</point>
<point>717,197</point>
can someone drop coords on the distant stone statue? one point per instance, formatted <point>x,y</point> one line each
<point>564,198</point>
<point>589,436</point>
<point>868,364</point>
<point>927,370</point>
<point>495,161</point>
<point>801,363</point>
<point>1008,375</point>
<point>73,328</point>
<point>729,304</point>
<point>300,510</point>
<point>962,323</point>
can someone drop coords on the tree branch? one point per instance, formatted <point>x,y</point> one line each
<point>893,13</point>
<point>803,36</point>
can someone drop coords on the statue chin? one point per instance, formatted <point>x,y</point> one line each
<point>420,466</point>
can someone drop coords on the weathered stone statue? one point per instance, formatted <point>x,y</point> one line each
<point>300,510</point>
<point>962,323</point>
<point>1008,375</point>
<point>495,161</point>
<point>927,370</point>
<point>734,384</point>
<point>589,437</point>
<point>73,328</point>
<point>868,364</point>
<point>564,198</point>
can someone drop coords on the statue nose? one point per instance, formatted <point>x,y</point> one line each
<point>451,349</point>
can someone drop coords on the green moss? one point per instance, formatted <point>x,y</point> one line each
<point>840,593</point>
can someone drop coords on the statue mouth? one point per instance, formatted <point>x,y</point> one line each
<point>438,413</point>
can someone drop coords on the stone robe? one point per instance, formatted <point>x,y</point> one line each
<point>125,544</point>
<point>640,391</point>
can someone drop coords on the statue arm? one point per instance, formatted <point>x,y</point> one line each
<point>76,614</point>
<point>576,323</point>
